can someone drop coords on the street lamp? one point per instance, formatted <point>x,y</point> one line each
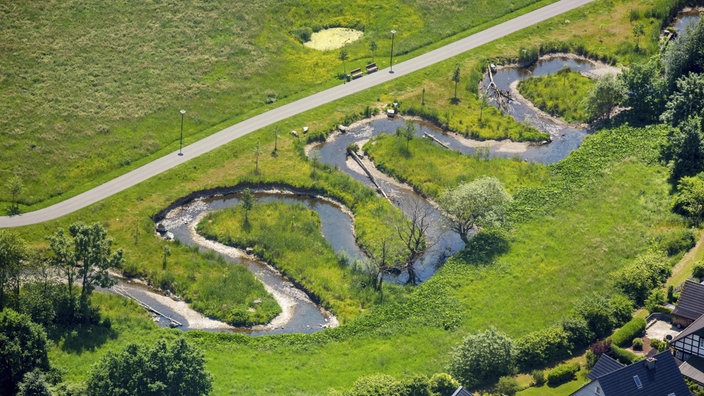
<point>180,148</point>
<point>391,69</point>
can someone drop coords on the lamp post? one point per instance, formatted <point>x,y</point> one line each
<point>391,68</point>
<point>180,147</point>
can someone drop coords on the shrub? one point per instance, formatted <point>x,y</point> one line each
<point>443,384</point>
<point>623,355</point>
<point>677,241</point>
<point>698,270</point>
<point>538,377</point>
<point>658,344</point>
<point>541,347</point>
<point>578,333</point>
<point>637,344</point>
<point>507,386</point>
<point>302,34</point>
<point>528,56</point>
<point>630,330</point>
<point>375,384</point>
<point>562,373</point>
<point>482,358</point>
<point>415,386</point>
<point>640,276</point>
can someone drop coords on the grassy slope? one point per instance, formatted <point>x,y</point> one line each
<point>89,88</point>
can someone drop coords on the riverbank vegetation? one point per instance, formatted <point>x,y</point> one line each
<point>575,223</point>
<point>290,238</point>
<point>560,94</point>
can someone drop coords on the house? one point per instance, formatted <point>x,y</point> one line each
<point>689,349</point>
<point>462,392</point>
<point>690,305</point>
<point>656,376</point>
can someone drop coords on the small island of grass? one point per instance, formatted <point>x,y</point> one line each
<point>560,94</point>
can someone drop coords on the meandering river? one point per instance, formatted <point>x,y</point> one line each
<point>300,314</point>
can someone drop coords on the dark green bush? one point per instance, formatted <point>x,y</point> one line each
<point>562,373</point>
<point>637,344</point>
<point>539,348</point>
<point>698,270</point>
<point>528,56</point>
<point>538,377</point>
<point>302,34</point>
<point>443,384</point>
<point>578,333</point>
<point>677,241</point>
<point>623,336</point>
<point>623,355</point>
<point>658,344</point>
<point>507,386</point>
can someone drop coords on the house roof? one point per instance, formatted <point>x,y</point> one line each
<point>462,392</point>
<point>605,365</point>
<point>691,302</point>
<point>693,368</point>
<point>661,380</point>
<point>691,329</point>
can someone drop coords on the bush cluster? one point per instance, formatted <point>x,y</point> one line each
<point>440,384</point>
<point>623,336</point>
<point>562,373</point>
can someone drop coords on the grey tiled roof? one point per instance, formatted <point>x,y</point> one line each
<point>691,301</point>
<point>605,365</point>
<point>661,380</point>
<point>691,329</point>
<point>462,392</point>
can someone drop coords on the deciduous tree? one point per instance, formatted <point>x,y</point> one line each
<point>607,93</point>
<point>22,348</point>
<point>480,203</point>
<point>12,251</point>
<point>482,358</point>
<point>689,200</point>
<point>456,79</point>
<point>175,369</point>
<point>685,149</point>
<point>407,132</point>
<point>88,255</point>
<point>645,90</point>
<point>686,101</point>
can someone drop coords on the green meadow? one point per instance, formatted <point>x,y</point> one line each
<point>97,101</point>
<point>560,95</point>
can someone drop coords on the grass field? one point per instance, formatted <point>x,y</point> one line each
<point>89,89</point>
<point>290,238</point>
<point>560,95</point>
<point>549,258</point>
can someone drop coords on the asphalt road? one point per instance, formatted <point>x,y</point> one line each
<point>233,132</point>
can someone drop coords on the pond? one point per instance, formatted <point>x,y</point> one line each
<point>687,19</point>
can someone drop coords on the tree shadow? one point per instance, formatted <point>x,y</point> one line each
<point>484,247</point>
<point>85,337</point>
<point>455,101</point>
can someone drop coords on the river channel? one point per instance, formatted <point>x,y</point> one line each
<point>301,315</point>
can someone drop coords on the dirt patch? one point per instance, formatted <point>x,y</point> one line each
<point>334,38</point>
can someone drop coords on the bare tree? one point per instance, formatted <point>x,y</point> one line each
<point>413,232</point>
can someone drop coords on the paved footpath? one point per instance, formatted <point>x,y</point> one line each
<point>233,132</point>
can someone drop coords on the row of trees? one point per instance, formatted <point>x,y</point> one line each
<point>482,358</point>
